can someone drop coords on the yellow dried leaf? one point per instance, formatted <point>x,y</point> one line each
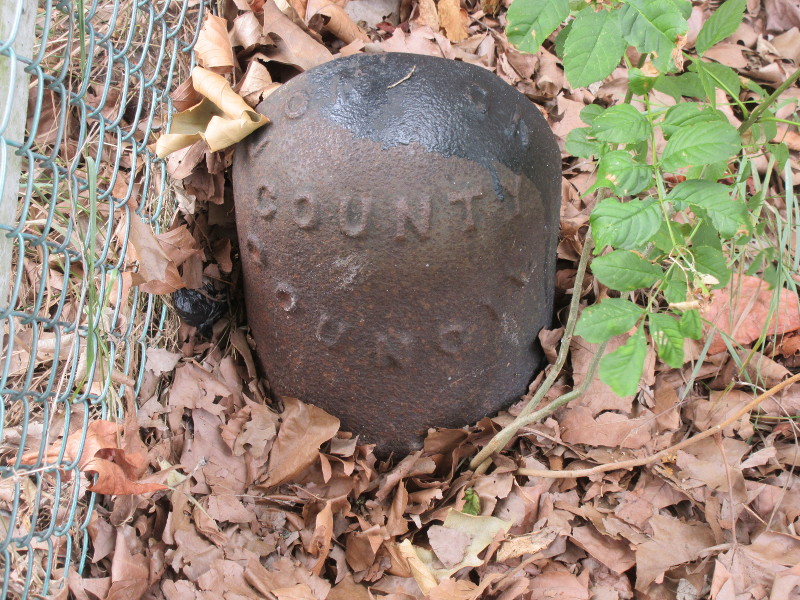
<point>453,20</point>
<point>221,119</point>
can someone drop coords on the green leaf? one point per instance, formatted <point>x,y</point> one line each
<point>590,112</point>
<point>653,26</point>
<point>641,84</point>
<point>715,75</point>
<point>472,502</point>
<point>621,124</point>
<point>530,22</point>
<point>629,225</point>
<point>613,316</point>
<point>684,7</point>
<point>675,287</point>
<point>668,338</point>
<point>618,171</point>
<point>691,325</point>
<point>689,113</point>
<point>622,369</point>
<point>722,23</point>
<point>713,199</point>
<point>625,271</point>
<point>578,143</point>
<point>593,47</point>
<point>710,261</point>
<point>700,144</point>
<point>561,37</point>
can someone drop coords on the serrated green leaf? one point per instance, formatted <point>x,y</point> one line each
<point>625,271</point>
<point>629,225</point>
<point>713,199</point>
<point>621,124</point>
<point>590,112</point>
<point>561,37</point>
<point>618,171</point>
<point>530,22</point>
<point>613,316</point>
<point>578,143</point>
<point>710,261</point>
<point>668,338</point>
<point>653,26</point>
<point>722,23</point>
<point>622,369</point>
<point>472,502</point>
<point>593,47</point>
<point>689,113</point>
<point>691,324</point>
<point>715,75</point>
<point>701,144</point>
<point>684,7</point>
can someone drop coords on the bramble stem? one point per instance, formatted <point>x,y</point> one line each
<point>759,110</point>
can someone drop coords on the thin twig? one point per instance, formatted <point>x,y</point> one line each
<point>502,437</point>
<point>640,462</point>
<point>768,101</point>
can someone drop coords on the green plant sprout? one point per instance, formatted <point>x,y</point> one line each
<point>677,218</point>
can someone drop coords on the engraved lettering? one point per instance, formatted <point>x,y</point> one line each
<point>392,348</point>
<point>296,105</point>
<point>353,215</point>
<point>266,206</point>
<point>419,216</point>
<point>466,198</point>
<point>329,331</point>
<point>287,296</point>
<point>452,338</point>
<point>305,212</point>
<point>254,248</point>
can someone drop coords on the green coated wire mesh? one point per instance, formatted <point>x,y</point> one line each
<point>84,90</point>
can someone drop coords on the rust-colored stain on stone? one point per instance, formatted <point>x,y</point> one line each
<point>398,222</point>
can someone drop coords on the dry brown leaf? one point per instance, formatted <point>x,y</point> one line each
<point>673,543</point>
<point>248,33</point>
<point>256,84</point>
<point>347,589</point>
<point>294,46</point>
<point>453,19</point>
<point>608,429</point>
<point>742,308</point>
<point>113,480</point>
<point>332,17</point>
<point>449,545</point>
<point>157,272</point>
<point>614,554</point>
<point>304,428</point>
<point>558,584</point>
<point>531,543</point>
<point>213,47</point>
<point>427,15</point>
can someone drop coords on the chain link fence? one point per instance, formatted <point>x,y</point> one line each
<point>84,91</point>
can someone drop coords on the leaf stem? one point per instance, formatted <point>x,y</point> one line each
<point>759,110</point>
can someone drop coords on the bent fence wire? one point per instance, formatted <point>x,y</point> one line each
<point>84,88</point>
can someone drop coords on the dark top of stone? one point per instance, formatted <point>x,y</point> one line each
<point>449,107</point>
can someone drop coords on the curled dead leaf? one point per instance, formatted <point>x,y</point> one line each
<point>221,119</point>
